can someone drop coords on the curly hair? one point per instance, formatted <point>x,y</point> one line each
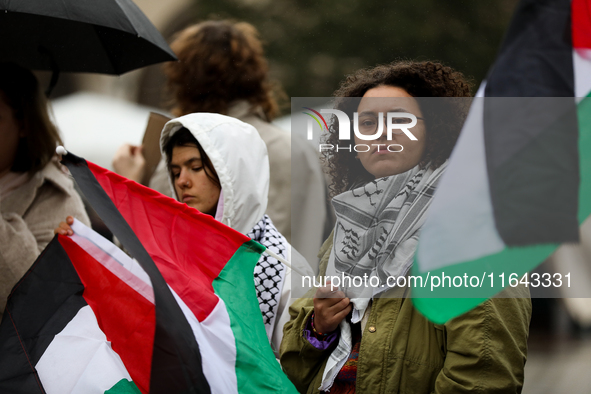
<point>20,90</point>
<point>219,62</point>
<point>422,80</point>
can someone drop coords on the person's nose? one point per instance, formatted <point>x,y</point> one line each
<point>384,135</point>
<point>183,181</point>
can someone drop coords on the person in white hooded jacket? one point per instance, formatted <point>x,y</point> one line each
<point>219,166</point>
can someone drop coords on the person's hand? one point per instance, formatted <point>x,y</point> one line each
<point>330,308</point>
<point>64,227</point>
<point>129,162</point>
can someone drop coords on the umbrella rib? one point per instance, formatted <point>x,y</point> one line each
<point>106,51</point>
<point>118,2</point>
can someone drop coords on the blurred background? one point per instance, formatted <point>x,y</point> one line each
<point>311,47</point>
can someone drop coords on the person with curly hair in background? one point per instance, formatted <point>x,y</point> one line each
<point>35,193</point>
<point>222,69</point>
<point>371,339</point>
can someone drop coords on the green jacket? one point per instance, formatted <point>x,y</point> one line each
<point>482,351</point>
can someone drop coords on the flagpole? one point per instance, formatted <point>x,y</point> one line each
<point>282,260</point>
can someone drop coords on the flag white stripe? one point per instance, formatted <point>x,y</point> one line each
<point>460,225</point>
<point>582,72</point>
<point>217,346</point>
<point>112,258</point>
<point>80,360</point>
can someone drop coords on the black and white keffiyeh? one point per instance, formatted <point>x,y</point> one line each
<point>269,273</point>
<point>376,235</point>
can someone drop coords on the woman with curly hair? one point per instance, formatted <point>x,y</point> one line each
<point>370,338</point>
<point>220,62</point>
<point>423,81</point>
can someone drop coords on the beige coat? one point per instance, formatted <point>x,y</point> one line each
<point>29,216</point>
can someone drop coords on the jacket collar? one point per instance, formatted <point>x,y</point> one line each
<point>242,109</point>
<point>21,199</point>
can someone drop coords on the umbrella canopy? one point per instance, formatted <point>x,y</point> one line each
<point>107,36</point>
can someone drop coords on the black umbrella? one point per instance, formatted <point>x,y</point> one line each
<point>99,36</point>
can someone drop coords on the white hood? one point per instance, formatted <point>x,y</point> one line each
<point>239,157</point>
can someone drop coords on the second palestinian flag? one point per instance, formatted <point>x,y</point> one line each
<point>519,180</point>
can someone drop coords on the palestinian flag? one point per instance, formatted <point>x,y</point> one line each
<point>518,183</point>
<point>181,317</point>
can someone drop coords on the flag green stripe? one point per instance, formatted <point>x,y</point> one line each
<point>436,304</point>
<point>438,307</point>
<point>257,370</point>
<point>584,115</point>
<point>124,386</point>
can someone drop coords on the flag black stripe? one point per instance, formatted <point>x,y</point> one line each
<point>531,128</point>
<point>176,360</point>
<point>535,59</point>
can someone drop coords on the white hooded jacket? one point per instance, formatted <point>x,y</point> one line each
<point>240,159</point>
